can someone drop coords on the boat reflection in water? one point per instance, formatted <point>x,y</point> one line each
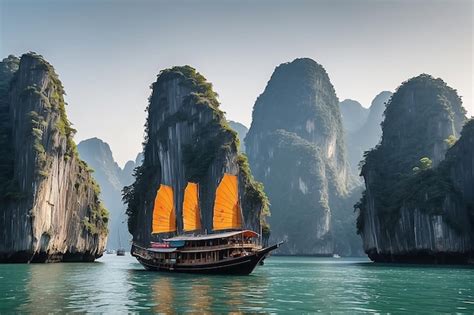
<point>168,293</point>
<point>164,296</point>
<point>228,250</point>
<point>201,300</point>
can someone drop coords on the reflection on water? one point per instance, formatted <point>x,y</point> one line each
<point>120,285</point>
<point>163,295</point>
<point>201,300</point>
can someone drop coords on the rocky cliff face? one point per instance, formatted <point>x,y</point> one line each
<point>188,139</point>
<point>8,67</point>
<point>111,179</point>
<point>50,208</point>
<point>296,148</point>
<point>418,205</point>
<point>241,133</point>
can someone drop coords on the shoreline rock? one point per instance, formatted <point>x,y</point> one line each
<point>51,207</point>
<point>419,196</point>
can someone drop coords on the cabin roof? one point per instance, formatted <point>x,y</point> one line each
<point>246,233</point>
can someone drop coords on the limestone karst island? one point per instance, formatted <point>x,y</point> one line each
<point>285,157</point>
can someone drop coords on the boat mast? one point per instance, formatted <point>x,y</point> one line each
<point>120,241</point>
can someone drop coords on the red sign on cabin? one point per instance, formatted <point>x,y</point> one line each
<point>159,245</point>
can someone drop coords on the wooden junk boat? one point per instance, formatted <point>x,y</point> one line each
<point>228,250</point>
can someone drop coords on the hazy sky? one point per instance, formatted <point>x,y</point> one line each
<point>107,53</point>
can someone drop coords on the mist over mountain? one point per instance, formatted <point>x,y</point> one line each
<point>362,127</point>
<point>128,169</point>
<point>241,133</point>
<point>371,131</point>
<point>353,115</point>
<point>111,179</point>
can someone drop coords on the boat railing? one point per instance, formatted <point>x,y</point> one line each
<point>219,247</point>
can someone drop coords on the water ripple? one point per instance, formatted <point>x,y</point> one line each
<point>284,284</point>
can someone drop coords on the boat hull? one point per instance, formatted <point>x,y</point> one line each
<point>236,266</point>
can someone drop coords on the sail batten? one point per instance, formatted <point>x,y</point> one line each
<point>164,216</point>
<point>191,211</point>
<point>227,212</point>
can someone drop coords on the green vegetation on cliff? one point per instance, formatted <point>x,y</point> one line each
<point>300,98</point>
<point>421,122</point>
<point>296,148</point>
<point>97,221</point>
<point>55,103</point>
<point>212,141</point>
<point>111,178</point>
<point>50,116</point>
<point>8,187</point>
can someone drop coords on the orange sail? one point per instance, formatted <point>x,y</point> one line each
<point>191,213</point>
<point>164,217</point>
<point>227,212</point>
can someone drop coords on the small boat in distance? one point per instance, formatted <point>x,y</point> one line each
<point>120,250</point>
<point>229,250</point>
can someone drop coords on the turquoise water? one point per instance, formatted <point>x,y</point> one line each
<point>285,284</point>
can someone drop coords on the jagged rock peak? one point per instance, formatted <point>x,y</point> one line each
<point>296,148</point>
<point>428,100</point>
<point>51,202</point>
<point>300,98</point>
<point>407,210</point>
<point>188,139</point>
<point>296,89</point>
<point>99,156</point>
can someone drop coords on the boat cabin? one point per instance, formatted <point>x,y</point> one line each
<point>204,249</point>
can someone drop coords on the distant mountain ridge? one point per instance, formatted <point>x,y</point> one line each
<point>111,179</point>
<point>362,127</point>
<point>241,133</point>
<point>353,115</point>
